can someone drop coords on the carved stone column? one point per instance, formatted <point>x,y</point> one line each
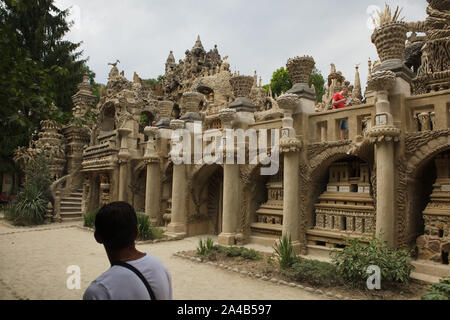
<point>124,156</point>
<point>178,223</point>
<point>384,135</point>
<point>231,199</point>
<point>105,186</point>
<point>290,147</point>
<point>57,207</point>
<point>153,183</point>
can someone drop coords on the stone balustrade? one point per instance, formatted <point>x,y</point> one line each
<point>428,112</point>
<point>325,126</point>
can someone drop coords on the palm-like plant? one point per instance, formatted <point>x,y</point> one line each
<point>284,252</point>
<point>387,17</point>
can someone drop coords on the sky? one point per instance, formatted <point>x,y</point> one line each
<point>257,35</point>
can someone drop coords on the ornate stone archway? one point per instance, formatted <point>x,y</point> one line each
<point>423,146</point>
<point>314,181</point>
<point>205,195</point>
<point>422,150</point>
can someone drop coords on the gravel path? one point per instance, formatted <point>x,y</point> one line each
<point>34,261</point>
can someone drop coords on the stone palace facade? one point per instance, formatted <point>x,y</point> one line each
<point>390,177</point>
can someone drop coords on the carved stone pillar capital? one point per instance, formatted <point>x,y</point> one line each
<point>288,144</point>
<point>383,80</point>
<point>288,102</point>
<point>152,132</point>
<point>226,117</point>
<point>177,124</point>
<point>379,134</point>
<point>151,160</point>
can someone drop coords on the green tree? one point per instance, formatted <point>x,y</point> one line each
<point>153,82</point>
<point>281,82</point>
<point>36,69</point>
<point>319,83</point>
<point>40,27</point>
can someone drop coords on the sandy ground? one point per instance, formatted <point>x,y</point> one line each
<point>34,262</point>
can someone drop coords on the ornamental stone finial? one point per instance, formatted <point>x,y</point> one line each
<point>176,124</point>
<point>151,132</point>
<point>165,109</point>
<point>300,69</point>
<point>242,85</point>
<point>190,102</point>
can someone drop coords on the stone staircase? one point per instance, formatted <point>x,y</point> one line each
<point>71,206</point>
<point>429,272</point>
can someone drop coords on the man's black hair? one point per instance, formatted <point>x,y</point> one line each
<point>116,224</point>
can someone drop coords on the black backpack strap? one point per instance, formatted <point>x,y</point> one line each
<point>139,274</point>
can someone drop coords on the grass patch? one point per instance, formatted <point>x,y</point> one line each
<point>207,250</point>
<point>313,272</point>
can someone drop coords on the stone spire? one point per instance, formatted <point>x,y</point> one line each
<point>357,84</point>
<point>83,100</point>
<point>170,58</point>
<point>170,63</point>
<point>198,44</point>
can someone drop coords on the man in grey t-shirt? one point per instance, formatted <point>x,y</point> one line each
<point>116,228</point>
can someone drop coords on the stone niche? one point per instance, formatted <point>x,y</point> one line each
<point>346,208</point>
<point>435,243</point>
<point>269,216</point>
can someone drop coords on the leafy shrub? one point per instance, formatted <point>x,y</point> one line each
<point>352,262</point>
<point>146,230</point>
<point>313,272</point>
<point>284,252</point>
<point>89,219</point>
<point>438,291</point>
<point>33,196</point>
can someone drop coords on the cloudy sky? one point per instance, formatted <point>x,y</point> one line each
<point>256,34</point>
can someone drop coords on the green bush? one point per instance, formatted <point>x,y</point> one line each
<point>313,272</point>
<point>89,219</point>
<point>438,291</point>
<point>146,230</point>
<point>207,249</point>
<point>352,262</point>
<point>33,196</point>
<point>248,254</point>
<point>284,252</point>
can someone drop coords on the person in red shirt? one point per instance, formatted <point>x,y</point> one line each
<point>338,103</point>
<point>339,100</point>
